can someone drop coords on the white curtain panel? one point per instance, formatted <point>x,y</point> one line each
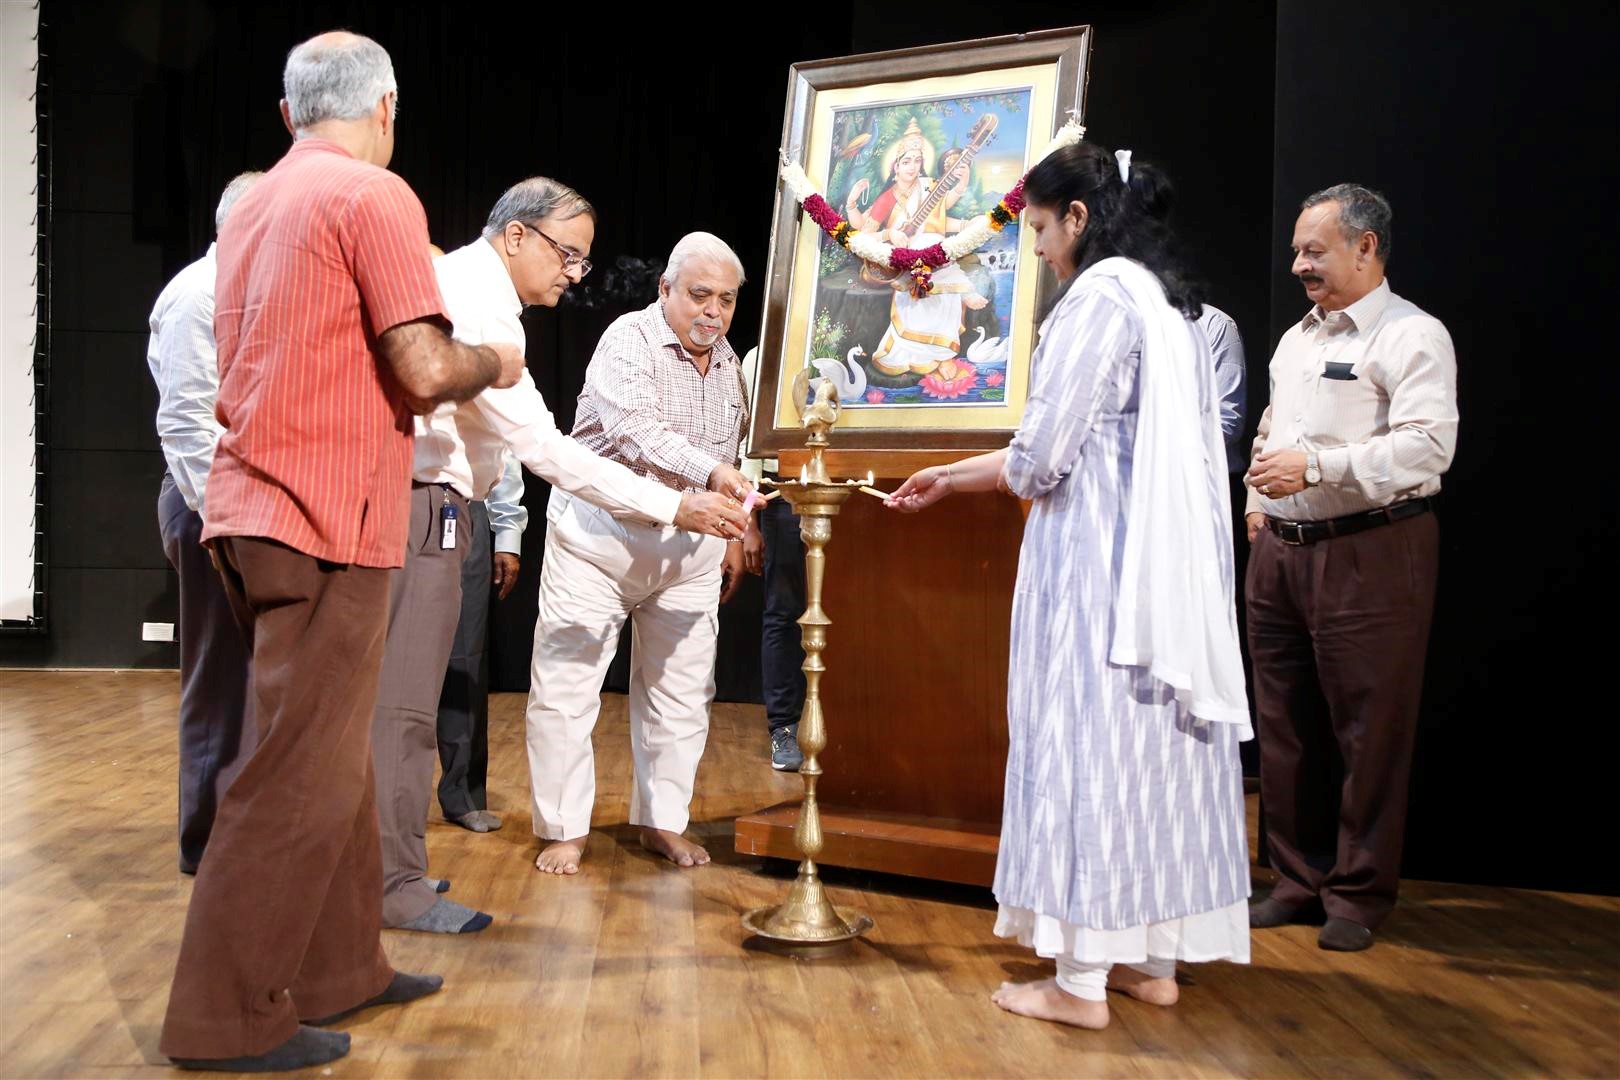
<point>19,51</point>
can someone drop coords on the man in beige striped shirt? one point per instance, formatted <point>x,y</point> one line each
<point>1345,548</point>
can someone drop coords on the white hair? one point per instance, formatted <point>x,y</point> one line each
<point>701,245</point>
<point>336,77</point>
<point>233,191</point>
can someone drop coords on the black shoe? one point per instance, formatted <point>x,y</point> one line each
<point>1342,935</point>
<point>785,753</point>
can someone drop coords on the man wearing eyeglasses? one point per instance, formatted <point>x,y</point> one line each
<point>535,245</point>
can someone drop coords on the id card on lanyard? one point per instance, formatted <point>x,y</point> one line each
<point>447,526</point>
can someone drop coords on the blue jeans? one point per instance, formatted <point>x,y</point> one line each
<point>781,654</point>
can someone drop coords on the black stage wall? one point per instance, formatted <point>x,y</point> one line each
<point>1493,136</point>
<point>1485,133</point>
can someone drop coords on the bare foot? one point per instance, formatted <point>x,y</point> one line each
<point>561,856</point>
<point>974,302</point>
<point>673,846</point>
<point>1045,1000</point>
<point>1143,987</point>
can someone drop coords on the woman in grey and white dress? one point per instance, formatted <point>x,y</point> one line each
<point>1123,836</point>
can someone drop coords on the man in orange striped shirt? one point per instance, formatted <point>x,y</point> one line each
<point>331,333</point>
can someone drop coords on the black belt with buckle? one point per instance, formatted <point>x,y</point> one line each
<point>1309,532</point>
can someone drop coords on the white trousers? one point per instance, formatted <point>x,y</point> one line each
<point>598,570</point>
<point>1090,981</point>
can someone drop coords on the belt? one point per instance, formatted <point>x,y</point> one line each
<point>1296,533</point>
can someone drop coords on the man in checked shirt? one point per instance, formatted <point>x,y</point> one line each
<point>663,395</point>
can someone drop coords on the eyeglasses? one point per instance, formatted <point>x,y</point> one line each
<point>570,259</point>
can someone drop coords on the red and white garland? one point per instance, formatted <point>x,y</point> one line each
<point>920,262</point>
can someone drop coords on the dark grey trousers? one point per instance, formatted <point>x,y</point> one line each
<point>464,702</point>
<point>424,601</point>
<point>216,723</point>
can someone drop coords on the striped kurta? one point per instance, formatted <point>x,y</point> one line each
<point>1122,812</point>
<point>322,256</point>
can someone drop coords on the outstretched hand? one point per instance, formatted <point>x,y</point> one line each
<point>925,487</point>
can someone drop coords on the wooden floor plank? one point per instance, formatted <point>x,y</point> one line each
<point>635,968</point>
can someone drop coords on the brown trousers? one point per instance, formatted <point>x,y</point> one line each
<point>424,607</point>
<point>1337,633</point>
<point>284,920</point>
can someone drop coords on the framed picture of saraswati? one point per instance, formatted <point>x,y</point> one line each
<point>898,268</point>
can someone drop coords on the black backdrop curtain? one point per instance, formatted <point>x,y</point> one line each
<point>667,125</point>
<point>668,130</point>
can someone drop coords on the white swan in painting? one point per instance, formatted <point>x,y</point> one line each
<point>983,352</point>
<point>848,376</point>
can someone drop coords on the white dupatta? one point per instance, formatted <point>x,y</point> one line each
<point>1175,613</point>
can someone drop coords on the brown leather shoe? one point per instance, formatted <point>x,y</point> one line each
<point>1342,935</point>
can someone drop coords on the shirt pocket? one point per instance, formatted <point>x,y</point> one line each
<point>1343,410</point>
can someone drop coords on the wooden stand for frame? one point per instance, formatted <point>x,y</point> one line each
<point>916,684</point>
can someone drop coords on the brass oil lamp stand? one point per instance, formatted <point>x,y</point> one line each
<point>807,916</point>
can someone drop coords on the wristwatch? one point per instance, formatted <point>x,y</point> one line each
<point>1313,470</point>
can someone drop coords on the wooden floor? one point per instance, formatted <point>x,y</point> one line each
<point>637,969</point>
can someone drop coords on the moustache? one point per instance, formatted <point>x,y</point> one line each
<point>1310,279</point>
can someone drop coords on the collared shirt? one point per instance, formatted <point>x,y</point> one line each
<point>464,446</point>
<point>1226,345</point>
<point>180,353</point>
<point>508,517</point>
<point>324,255</point>
<point>645,404</point>
<point>1372,390</point>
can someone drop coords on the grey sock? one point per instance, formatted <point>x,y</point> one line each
<point>438,885</point>
<point>448,917</point>
<point>308,1046</point>
<point>400,989</point>
<point>479,821</point>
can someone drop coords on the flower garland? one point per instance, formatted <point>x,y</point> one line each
<point>920,262</point>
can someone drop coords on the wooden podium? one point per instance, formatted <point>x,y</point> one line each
<point>915,690</point>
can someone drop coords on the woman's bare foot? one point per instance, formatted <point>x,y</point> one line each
<point>1045,1000</point>
<point>673,846</point>
<point>975,301</point>
<point>561,856</point>
<point>1144,987</point>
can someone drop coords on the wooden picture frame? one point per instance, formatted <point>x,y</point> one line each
<point>871,132</point>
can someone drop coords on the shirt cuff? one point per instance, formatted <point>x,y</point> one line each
<point>509,541</point>
<point>669,505</point>
<point>1335,465</point>
<point>1252,503</point>
<point>697,469</point>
